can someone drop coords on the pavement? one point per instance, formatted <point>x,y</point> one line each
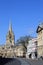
<point>20,61</point>
<point>9,61</point>
<point>34,62</point>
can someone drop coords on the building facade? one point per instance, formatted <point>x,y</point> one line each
<point>32,49</point>
<point>40,40</point>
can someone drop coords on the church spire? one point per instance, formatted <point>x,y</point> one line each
<point>10,26</point>
<point>10,38</point>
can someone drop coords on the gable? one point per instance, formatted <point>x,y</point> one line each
<point>38,29</point>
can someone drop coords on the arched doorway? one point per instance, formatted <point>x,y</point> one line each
<point>36,54</point>
<point>30,55</point>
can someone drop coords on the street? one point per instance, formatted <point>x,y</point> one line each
<point>20,61</point>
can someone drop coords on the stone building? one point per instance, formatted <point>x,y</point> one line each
<point>40,40</point>
<point>10,49</point>
<point>32,49</point>
<point>20,51</point>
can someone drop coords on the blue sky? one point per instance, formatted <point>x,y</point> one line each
<point>24,14</point>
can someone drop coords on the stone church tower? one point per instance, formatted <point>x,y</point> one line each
<point>10,37</point>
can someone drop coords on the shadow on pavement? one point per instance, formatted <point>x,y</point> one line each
<point>9,61</point>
